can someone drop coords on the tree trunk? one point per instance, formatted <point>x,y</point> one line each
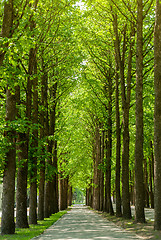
<point>108,201</point>
<point>102,173</point>
<point>21,191</point>
<point>87,196</point>
<point>34,147</point>
<point>151,184</point>
<point>43,133</point>
<point>47,211</point>
<point>96,179</point>
<point>108,204</point>
<point>63,193</point>
<point>139,180</point>
<point>118,148</point>
<point>157,117</point>
<point>146,188</point>
<point>55,207</point>
<point>6,25</point>
<point>125,95</point>
<point>48,185</point>
<point>70,196</point>
<point>8,224</point>
<point>131,188</point>
<point>52,183</point>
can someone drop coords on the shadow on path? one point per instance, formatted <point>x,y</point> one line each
<point>82,223</point>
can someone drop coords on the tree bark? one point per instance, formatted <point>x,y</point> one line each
<point>139,180</point>
<point>157,117</point>
<point>125,95</point>
<point>43,133</point>
<point>151,184</point>
<point>6,25</point>
<point>52,181</point>
<point>21,191</point>
<point>34,147</point>
<point>8,224</point>
<point>108,204</point>
<point>70,196</point>
<point>96,179</point>
<point>146,187</point>
<point>108,201</point>
<point>63,193</point>
<point>118,147</point>
<point>55,207</point>
<point>102,173</point>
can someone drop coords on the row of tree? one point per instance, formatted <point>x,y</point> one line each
<point>120,39</point>
<point>39,60</point>
<point>74,85</point>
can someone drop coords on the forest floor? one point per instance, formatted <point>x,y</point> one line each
<point>142,230</point>
<point>82,223</point>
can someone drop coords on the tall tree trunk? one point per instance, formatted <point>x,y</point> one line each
<point>54,183</point>
<point>63,193</point>
<point>6,25</point>
<point>118,148</point>
<point>108,201</point>
<point>125,95</point>
<point>21,190</point>
<point>108,205</point>
<point>146,187</point>
<point>70,196</point>
<point>139,180</point>
<point>8,224</point>
<point>55,180</point>
<point>47,211</point>
<point>152,159</point>
<point>96,179</point>
<point>102,173</point>
<point>151,184</point>
<point>157,117</point>
<point>34,147</point>
<point>132,188</point>
<point>43,133</point>
<point>48,188</point>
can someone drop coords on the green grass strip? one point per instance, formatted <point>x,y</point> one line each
<point>33,230</point>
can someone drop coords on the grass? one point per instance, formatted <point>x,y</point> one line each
<point>34,230</point>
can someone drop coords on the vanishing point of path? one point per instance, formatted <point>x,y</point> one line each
<point>82,223</point>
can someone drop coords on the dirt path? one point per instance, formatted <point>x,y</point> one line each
<point>82,223</point>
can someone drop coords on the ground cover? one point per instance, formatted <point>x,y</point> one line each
<point>34,230</point>
<point>143,230</point>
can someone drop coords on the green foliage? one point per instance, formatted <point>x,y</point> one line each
<point>78,196</point>
<point>75,48</point>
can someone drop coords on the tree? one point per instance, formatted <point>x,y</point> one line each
<point>8,224</point>
<point>139,181</point>
<point>7,26</point>
<point>157,116</point>
<point>125,95</point>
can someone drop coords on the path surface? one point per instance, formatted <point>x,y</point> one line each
<point>82,223</point>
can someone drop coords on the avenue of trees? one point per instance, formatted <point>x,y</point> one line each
<point>80,98</point>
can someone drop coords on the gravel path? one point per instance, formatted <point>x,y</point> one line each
<point>82,223</point>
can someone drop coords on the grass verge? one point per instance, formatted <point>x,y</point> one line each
<point>34,230</point>
<point>144,231</point>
